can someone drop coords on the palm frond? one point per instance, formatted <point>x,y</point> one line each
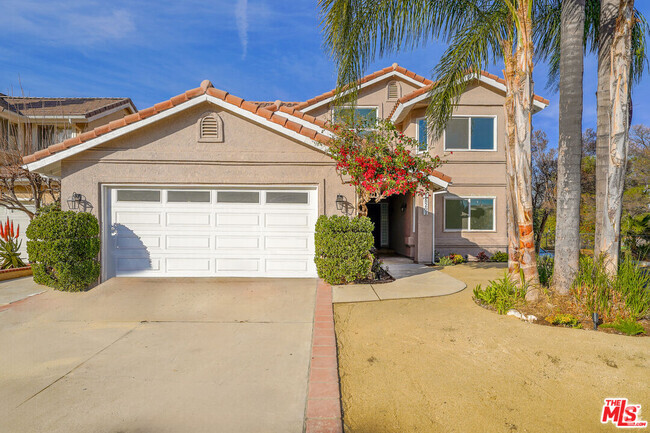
<point>470,50</point>
<point>356,32</point>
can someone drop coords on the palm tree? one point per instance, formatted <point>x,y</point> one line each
<point>478,32</point>
<point>567,231</point>
<point>600,24</point>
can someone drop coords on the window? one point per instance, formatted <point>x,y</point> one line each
<point>138,195</point>
<point>8,135</point>
<point>472,214</point>
<point>45,136</point>
<point>238,197</point>
<point>287,197</point>
<point>188,196</point>
<point>393,90</point>
<point>357,114</point>
<point>471,133</point>
<point>422,135</point>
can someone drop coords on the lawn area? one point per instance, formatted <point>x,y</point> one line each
<point>447,365</point>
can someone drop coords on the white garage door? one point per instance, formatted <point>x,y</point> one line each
<point>223,232</point>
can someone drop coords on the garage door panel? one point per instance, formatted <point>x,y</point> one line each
<point>188,242</point>
<point>269,235</point>
<point>238,220</point>
<point>200,219</point>
<point>238,242</point>
<point>135,218</point>
<point>188,264</point>
<point>238,264</point>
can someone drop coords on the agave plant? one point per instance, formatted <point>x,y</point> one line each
<point>10,246</point>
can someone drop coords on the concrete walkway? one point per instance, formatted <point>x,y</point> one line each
<point>412,280</point>
<point>18,289</point>
<point>159,355</point>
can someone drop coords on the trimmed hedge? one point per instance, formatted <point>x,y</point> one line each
<point>343,248</point>
<point>63,249</point>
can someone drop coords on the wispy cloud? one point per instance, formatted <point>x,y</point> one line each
<point>241,16</point>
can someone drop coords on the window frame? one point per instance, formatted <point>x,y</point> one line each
<point>469,218</point>
<point>495,140</point>
<point>417,135</point>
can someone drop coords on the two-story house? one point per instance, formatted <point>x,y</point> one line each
<point>208,184</point>
<point>29,124</point>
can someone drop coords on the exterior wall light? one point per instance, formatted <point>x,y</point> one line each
<point>340,201</point>
<point>74,201</point>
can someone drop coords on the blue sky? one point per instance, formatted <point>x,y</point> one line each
<point>256,49</point>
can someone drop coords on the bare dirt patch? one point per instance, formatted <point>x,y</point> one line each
<point>447,365</point>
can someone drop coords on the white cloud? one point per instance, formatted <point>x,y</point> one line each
<point>241,17</point>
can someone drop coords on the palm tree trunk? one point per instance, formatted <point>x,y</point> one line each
<point>523,103</point>
<point>608,11</point>
<point>511,174</point>
<point>619,90</point>
<point>567,232</point>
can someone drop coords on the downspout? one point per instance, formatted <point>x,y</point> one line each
<point>433,224</point>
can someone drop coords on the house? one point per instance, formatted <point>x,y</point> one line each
<point>207,184</point>
<point>29,124</point>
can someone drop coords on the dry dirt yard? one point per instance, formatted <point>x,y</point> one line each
<point>447,365</point>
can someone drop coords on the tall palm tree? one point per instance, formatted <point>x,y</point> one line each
<point>609,242</point>
<point>600,24</point>
<point>479,32</point>
<point>567,231</point>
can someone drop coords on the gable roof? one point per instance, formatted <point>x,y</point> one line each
<point>484,77</point>
<point>391,71</point>
<point>205,92</point>
<point>83,108</point>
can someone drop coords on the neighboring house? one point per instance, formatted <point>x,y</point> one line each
<point>207,184</point>
<point>29,124</point>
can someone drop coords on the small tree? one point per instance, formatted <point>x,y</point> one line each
<point>380,161</point>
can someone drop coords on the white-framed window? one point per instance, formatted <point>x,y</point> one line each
<point>471,133</point>
<point>470,214</point>
<point>422,134</point>
<point>367,114</point>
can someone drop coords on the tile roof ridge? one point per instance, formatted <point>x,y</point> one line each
<point>206,88</point>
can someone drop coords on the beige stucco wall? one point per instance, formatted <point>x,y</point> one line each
<point>168,152</point>
<point>473,173</point>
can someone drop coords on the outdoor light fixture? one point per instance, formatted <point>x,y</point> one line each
<point>340,201</point>
<point>74,200</point>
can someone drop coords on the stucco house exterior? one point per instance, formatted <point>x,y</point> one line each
<point>207,184</point>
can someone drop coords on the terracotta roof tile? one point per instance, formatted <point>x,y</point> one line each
<point>440,175</point>
<point>205,88</point>
<point>369,77</point>
<point>62,107</point>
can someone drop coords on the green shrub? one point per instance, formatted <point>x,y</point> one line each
<point>456,258</point>
<point>445,261</point>
<point>63,248</point>
<point>499,256</point>
<point>343,248</point>
<point>56,206</point>
<point>626,326</point>
<point>564,320</point>
<point>625,295</point>
<point>502,294</point>
<point>545,270</point>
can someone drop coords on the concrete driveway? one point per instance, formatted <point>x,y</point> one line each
<point>159,355</point>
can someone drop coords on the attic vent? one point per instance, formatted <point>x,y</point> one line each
<point>393,90</point>
<point>211,128</point>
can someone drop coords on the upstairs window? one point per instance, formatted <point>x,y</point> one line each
<point>8,135</point>
<point>367,115</point>
<point>393,90</point>
<point>422,135</point>
<point>471,133</point>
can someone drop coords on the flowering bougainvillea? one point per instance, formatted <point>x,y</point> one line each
<point>380,161</point>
